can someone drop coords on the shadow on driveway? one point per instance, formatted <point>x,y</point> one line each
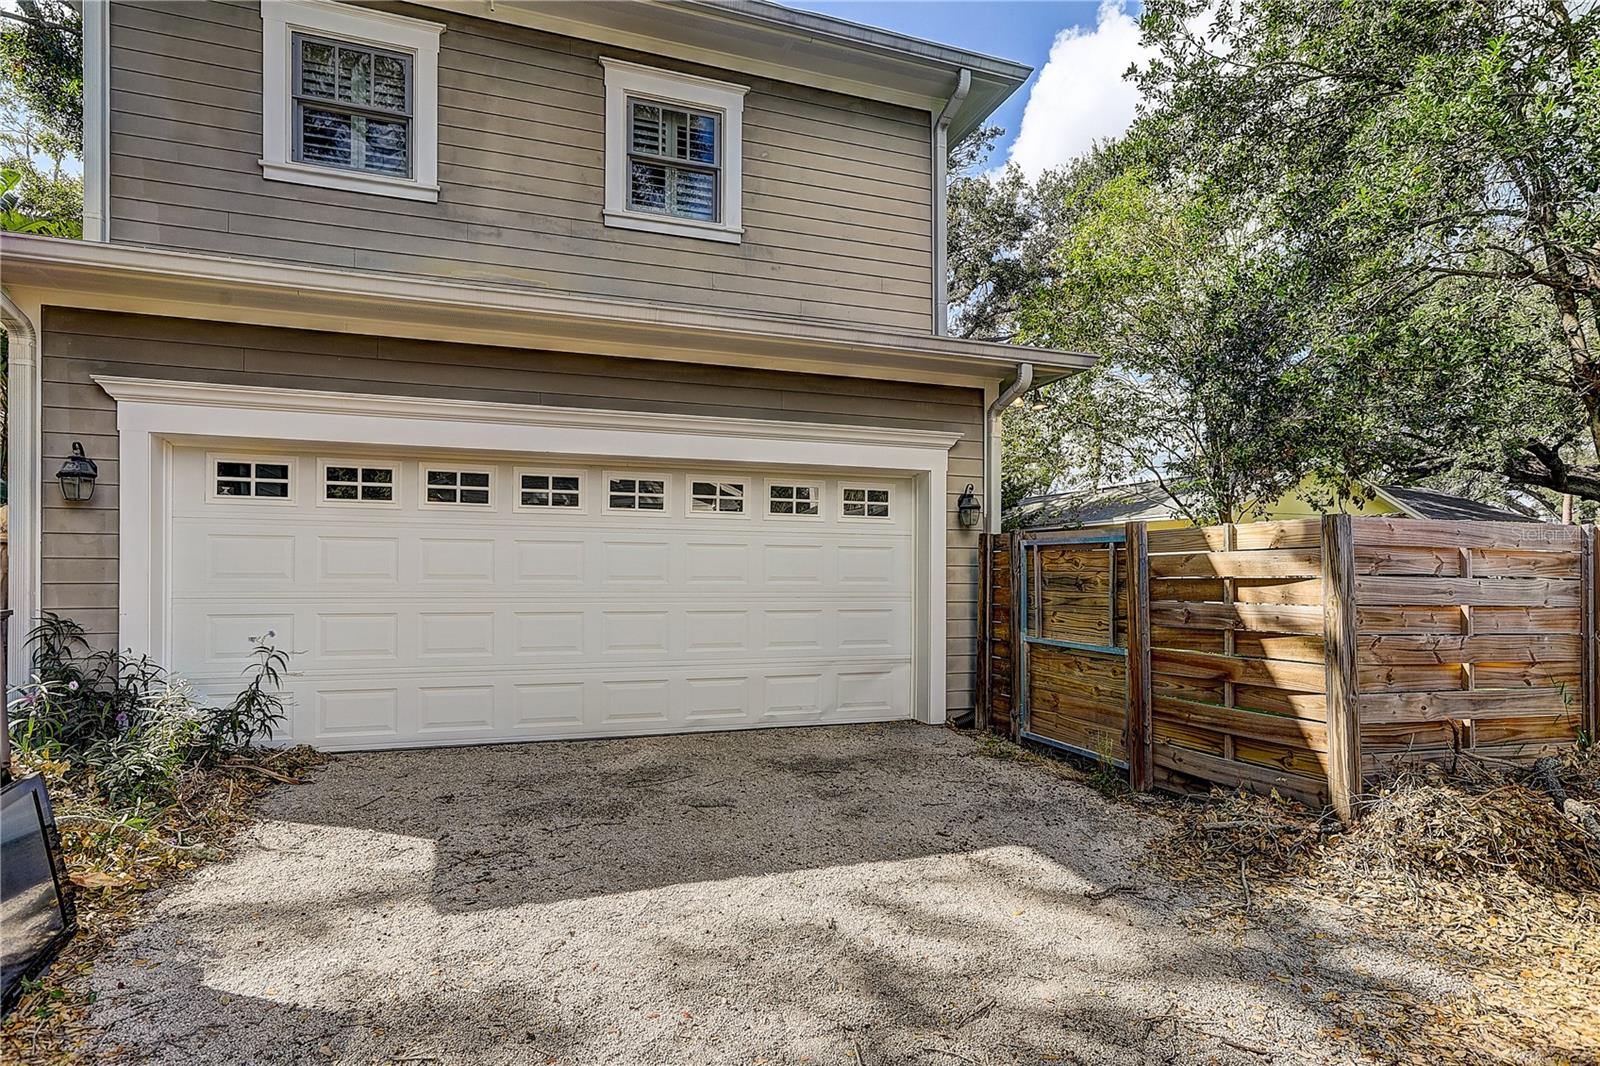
<point>865,895</point>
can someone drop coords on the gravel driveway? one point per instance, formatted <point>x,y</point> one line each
<point>855,895</point>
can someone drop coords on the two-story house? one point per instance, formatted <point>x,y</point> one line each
<point>528,369</point>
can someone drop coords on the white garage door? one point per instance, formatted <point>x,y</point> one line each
<point>431,599</point>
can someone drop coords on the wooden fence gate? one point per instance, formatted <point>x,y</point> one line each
<point>1078,670</point>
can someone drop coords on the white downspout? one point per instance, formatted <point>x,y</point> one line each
<point>991,444</point>
<point>23,482</point>
<point>941,153</point>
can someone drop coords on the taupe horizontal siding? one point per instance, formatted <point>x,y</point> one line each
<point>80,541</point>
<point>837,207</point>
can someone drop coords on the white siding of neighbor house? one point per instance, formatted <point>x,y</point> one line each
<point>837,202</point>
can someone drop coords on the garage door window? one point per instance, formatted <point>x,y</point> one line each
<point>716,497</point>
<point>269,479</point>
<point>636,492</point>
<point>788,500</point>
<point>861,501</point>
<point>549,490</point>
<point>449,487</point>
<point>356,482</point>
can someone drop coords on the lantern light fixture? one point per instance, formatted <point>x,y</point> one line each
<point>968,508</point>
<point>77,476</point>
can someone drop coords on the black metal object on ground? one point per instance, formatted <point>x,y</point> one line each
<point>36,911</point>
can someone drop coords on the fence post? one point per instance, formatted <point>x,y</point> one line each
<point>1339,650</point>
<point>980,705</point>
<point>1141,769</point>
<point>1019,673</point>
<point>1590,639</point>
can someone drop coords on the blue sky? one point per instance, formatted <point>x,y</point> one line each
<point>1078,98</point>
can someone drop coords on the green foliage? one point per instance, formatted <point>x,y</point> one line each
<point>1362,237</point>
<point>1205,382</point>
<point>1436,161</point>
<point>41,63</point>
<point>41,119</point>
<point>30,202</point>
<point>128,725</point>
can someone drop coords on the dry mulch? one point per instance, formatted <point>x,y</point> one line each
<point>113,858</point>
<point>1474,868</point>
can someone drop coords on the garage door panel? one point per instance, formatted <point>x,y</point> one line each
<point>368,637</point>
<point>420,625</point>
<point>539,634</point>
<point>358,559</point>
<point>549,561</point>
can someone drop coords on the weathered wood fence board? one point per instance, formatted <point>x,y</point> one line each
<point>1296,655</point>
<point>1471,636</point>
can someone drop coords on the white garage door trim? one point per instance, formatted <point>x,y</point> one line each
<point>152,415</point>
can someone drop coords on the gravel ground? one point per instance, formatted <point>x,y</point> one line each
<point>857,895</point>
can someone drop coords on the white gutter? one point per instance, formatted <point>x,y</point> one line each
<point>941,214</point>
<point>991,444</point>
<point>24,481</point>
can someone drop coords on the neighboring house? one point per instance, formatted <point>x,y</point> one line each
<point>1147,501</point>
<point>528,369</point>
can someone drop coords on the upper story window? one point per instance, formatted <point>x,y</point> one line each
<point>350,98</point>
<point>673,160</point>
<point>352,107</point>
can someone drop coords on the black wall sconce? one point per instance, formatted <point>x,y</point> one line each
<point>77,476</point>
<point>968,509</point>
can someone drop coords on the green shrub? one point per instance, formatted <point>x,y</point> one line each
<point>127,723</point>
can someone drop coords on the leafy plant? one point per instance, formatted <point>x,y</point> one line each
<point>20,214</point>
<point>258,708</point>
<point>127,724</point>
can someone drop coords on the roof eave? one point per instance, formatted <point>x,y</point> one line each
<point>771,40</point>
<point>139,279</point>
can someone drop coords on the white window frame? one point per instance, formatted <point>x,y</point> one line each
<point>367,463</point>
<point>870,487</point>
<point>816,487</point>
<point>666,492</point>
<point>552,472</point>
<point>747,484</point>
<point>213,458</point>
<point>280,21</point>
<point>724,99</point>
<point>447,466</point>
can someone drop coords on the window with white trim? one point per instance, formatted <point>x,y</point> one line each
<point>350,98</point>
<point>356,482</point>
<point>863,501</point>
<point>451,486</point>
<point>550,490</point>
<point>636,492</point>
<point>716,497</point>
<point>673,152</point>
<point>790,500</point>
<point>268,479</point>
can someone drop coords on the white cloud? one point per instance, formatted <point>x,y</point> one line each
<point>1080,96</point>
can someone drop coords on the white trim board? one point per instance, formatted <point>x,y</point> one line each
<point>25,449</point>
<point>96,22</point>
<point>152,414</point>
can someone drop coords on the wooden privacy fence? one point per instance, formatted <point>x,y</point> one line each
<point>1294,656</point>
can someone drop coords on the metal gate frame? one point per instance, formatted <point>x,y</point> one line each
<point>1028,577</point>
